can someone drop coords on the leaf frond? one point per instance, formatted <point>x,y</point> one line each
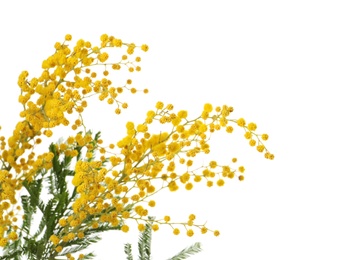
<point>187,252</point>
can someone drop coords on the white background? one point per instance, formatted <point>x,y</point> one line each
<point>275,62</point>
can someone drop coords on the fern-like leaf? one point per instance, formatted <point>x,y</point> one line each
<point>187,252</point>
<point>144,244</point>
<point>128,251</point>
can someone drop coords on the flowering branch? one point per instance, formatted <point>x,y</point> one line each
<point>81,186</point>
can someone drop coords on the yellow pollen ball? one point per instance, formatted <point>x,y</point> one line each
<point>68,37</point>
<point>176,231</point>
<point>208,107</point>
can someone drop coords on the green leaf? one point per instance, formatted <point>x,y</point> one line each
<point>128,251</point>
<point>144,244</point>
<point>187,252</point>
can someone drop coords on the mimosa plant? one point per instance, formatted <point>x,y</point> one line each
<point>83,186</point>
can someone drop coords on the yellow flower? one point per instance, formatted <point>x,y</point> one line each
<point>80,235</point>
<point>142,128</point>
<point>48,133</point>
<point>204,230</point>
<point>176,231</point>
<point>190,232</point>
<point>220,182</point>
<point>182,114</point>
<point>125,228</point>
<point>159,105</point>
<point>197,178</point>
<point>141,227</point>
<point>173,186</point>
<point>13,235</point>
<point>260,148</point>
<point>144,47</point>
<point>3,242</point>
<point>155,227</point>
<point>71,236</point>
<point>151,203</point>
<point>189,186</point>
<point>229,129</point>
<point>241,122</point>
<point>248,135</point>
<point>209,183</point>
<point>252,126</point>
<point>208,107</point>
<point>213,164</point>
<point>252,142</point>
<point>129,125</point>
<point>68,37</point>
<point>264,137</point>
<point>216,233</point>
<point>54,239</point>
<point>191,217</point>
<point>104,37</point>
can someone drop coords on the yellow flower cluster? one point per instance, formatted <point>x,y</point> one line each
<point>116,186</point>
<point>68,78</point>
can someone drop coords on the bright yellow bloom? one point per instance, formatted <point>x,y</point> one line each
<point>176,231</point>
<point>241,122</point>
<point>220,182</point>
<point>155,227</point>
<point>204,230</point>
<point>208,107</point>
<point>264,137</point>
<point>54,239</point>
<point>68,37</point>
<point>144,47</point>
<point>252,142</point>
<point>125,228</point>
<point>141,227</point>
<point>260,148</point>
<point>229,129</point>
<point>248,135</point>
<point>189,186</point>
<point>190,232</point>
<point>159,105</point>
<point>252,126</point>
<point>13,236</point>
<point>191,217</point>
<point>216,233</point>
<point>115,184</point>
<point>3,242</point>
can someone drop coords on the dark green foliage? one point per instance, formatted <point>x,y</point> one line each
<point>128,251</point>
<point>187,252</point>
<point>144,246</point>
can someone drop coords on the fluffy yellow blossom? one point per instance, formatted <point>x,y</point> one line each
<point>190,232</point>
<point>125,228</point>
<point>176,231</point>
<point>241,122</point>
<point>264,137</point>
<point>208,107</point>
<point>112,183</point>
<point>144,47</point>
